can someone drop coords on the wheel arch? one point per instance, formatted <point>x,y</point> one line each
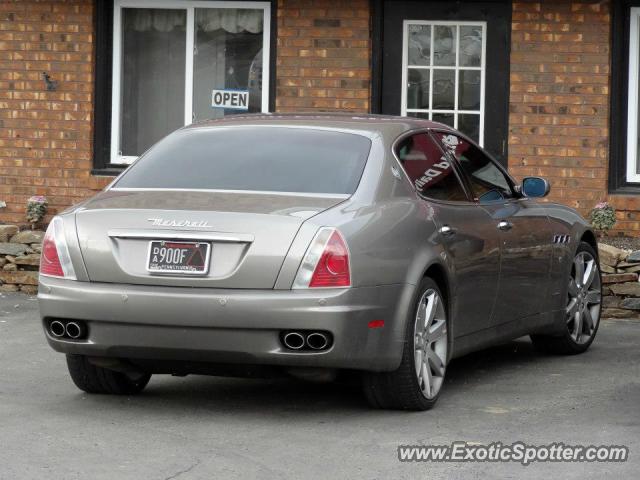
<point>439,274</point>
<point>589,237</point>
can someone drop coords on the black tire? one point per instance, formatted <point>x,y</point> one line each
<point>94,379</point>
<point>565,344</point>
<point>400,390</point>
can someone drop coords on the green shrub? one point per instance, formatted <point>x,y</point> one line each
<point>603,217</point>
<point>36,209</point>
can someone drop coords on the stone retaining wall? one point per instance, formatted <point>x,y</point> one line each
<point>19,259</point>
<point>620,288</point>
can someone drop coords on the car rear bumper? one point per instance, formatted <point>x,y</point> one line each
<point>229,326</point>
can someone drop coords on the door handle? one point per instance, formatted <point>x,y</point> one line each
<point>446,231</point>
<point>505,226</point>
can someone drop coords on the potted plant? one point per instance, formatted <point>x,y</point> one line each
<point>603,218</point>
<point>36,209</point>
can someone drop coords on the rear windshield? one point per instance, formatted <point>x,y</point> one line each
<point>270,159</point>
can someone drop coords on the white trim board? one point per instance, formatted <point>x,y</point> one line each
<point>633,174</point>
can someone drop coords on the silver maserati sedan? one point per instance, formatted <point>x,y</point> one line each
<point>311,244</point>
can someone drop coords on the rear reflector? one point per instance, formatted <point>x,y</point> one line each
<point>55,260</point>
<point>376,324</point>
<point>326,263</point>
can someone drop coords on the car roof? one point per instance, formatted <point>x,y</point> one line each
<point>388,125</point>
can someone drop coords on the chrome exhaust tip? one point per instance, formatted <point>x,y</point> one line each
<point>74,330</point>
<point>317,341</point>
<point>57,329</point>
<point>293,340</point>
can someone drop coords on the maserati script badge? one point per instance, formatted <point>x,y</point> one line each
<point>161,222</point>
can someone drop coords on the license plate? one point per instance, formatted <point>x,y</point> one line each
<point>184,258</point>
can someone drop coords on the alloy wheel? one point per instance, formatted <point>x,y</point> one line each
<point>585,298</point>
<point>430,343</point>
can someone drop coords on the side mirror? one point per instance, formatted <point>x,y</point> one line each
<point>535,187</point>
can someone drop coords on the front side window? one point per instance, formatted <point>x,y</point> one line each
<point>488,182</point>
<point>181,62</point>
<point>429,170</point>
<point>633,123</point>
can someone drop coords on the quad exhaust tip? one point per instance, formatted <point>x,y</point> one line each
<point>57,329</point>
<point>293,340</point>
<point>306,340</point>
<point>317,341</point>
<point>73,330</point>
<point>68,329</point>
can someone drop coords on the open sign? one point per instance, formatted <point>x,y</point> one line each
<point>233,99</point>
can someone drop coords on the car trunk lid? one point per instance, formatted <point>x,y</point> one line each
<point>249,232</point>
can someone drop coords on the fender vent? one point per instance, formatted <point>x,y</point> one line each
<point>562,239</point>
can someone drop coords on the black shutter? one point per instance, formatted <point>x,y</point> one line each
<point>103,28</point>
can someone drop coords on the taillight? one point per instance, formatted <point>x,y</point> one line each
<point>55,260</point>
<point>326,263</point>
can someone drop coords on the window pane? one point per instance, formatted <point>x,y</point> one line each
<point>227,56</point>
<point>469,90</point>
<point>487,180</point>
<point>419,45</point>
<point>424,115</point>
<point>469,124</point>
<point>429,170</point>
<point>444,89</point>
<point>446,118</point>
<point>153,67</point>
<point>243,158</point>
<point>418,92</point>
<point>444,45</point>
<point>470,46</point>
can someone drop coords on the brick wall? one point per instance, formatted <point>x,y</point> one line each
<point>45,136</point>
<point>560,97</point>
<point>559,93</point>
<point>323,59</point>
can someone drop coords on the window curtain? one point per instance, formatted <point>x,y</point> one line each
<point>153,76</point>
<point>153,67</point>
<point>231,20</point>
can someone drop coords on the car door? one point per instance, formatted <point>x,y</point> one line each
<point>523,228</point>
<point>465,230</point>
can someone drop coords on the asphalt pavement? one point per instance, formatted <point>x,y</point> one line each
<point>219,428</point>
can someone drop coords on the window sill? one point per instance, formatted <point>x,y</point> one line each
<point>109,171</point>
<point>628,189</point>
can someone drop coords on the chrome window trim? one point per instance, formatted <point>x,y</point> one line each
<point>339,196</point>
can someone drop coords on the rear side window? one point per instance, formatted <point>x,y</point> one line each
<point>488,182</point>
<point>269,159</point>
<point>428,168</point>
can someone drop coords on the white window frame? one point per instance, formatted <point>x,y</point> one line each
<point>633,106</point>
<point>189,6</point>
<point>456,68</point>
